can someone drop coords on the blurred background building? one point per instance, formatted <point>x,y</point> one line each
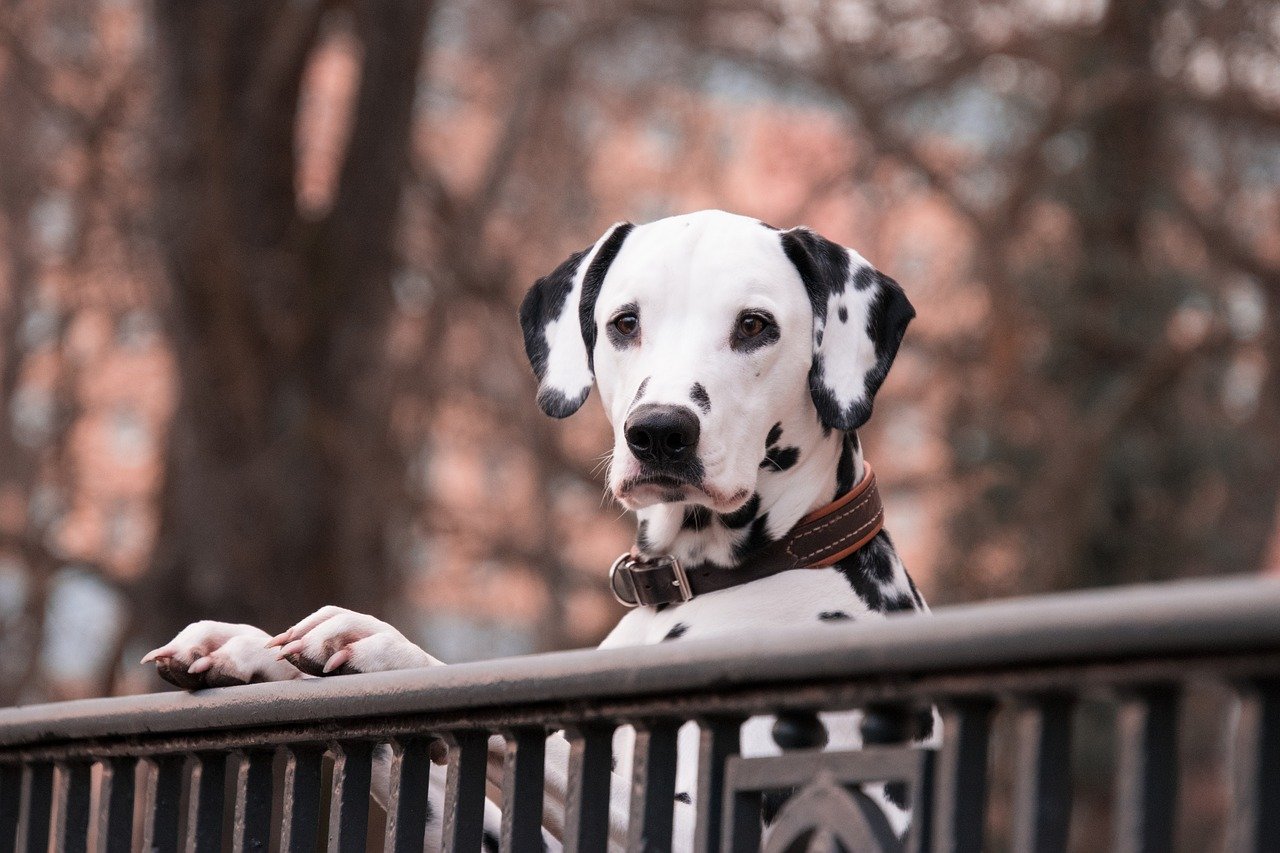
<point>259,265</point>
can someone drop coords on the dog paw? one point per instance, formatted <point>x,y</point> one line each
<point>218,654</point>
<point>335,641</point>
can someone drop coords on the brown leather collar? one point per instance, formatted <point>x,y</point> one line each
<point>820,539</point>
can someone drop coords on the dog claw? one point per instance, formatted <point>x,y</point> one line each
<point>154,654</point>
<point>339,658</point>
<point>200,665</point>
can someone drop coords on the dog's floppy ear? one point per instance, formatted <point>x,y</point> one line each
<point>557,317</point>
<point>859,317</point>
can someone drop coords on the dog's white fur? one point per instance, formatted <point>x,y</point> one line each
<point>690,279</point>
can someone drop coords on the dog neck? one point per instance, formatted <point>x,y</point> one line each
<point>803,466</point>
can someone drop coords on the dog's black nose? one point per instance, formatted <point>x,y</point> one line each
<point>658,433</point>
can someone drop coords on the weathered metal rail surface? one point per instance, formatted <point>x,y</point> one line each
<point>259,766</point>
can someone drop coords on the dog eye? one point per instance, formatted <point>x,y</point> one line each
<point>626,324</point>
<point>751,326</point>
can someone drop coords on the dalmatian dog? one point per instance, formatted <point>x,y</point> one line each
<point>735,362</point>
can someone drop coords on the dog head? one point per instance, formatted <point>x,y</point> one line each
<point>702,332</point>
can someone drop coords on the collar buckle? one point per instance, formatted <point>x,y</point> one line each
<point>635,581</point>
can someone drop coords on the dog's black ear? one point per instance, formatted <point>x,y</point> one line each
<point>859,317</point>
<point>557,317</point>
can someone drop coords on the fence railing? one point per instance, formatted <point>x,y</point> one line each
<point>1154,711</point>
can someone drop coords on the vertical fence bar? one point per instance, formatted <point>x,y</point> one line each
<point>464,791</point>
<point>349,808</point>
<point>586,820</point>
<point>37,806</point>
<point>161,803</point>
<point>10,805</point>
<point>115,805</point>
<point>653,786</point>
<point>407,808</point>
<point>522,787</point>
<point>1042,796</point>
<point>1147,770</point>
<point>718,738</point>
<point>71,807</point>
<point>960,793</point>
<point>300,818</point>
<point>252,825</point>
<point>205,799</point>
<point>1255,819</point>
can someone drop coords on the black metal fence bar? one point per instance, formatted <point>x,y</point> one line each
<point>523,775</point>
<point>252,824</point>
<point>719,737</point>
<point>205,797</point>
<point>464,791</point>
<point>115,812</point>
<point>960,795</point>
<point>10,805</point>
<point>587,810</point>
<point>408,795</point>
<point>71,806</point>
<point>37,807</point>
<point>300,813</point>
<point>349,807</point>
<point>1147,770</point>
<point>1042,796</point>
<point>1256,757</point>
<point>653,785</point>
<point>161,803</point>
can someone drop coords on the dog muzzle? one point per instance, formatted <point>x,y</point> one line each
<point>822,538</point>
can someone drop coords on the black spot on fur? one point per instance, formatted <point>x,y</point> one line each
<point>898,603</point>
<point>489,842</point>
<point>557,405</point>
<point>844,469</point>
<point>683,797</point>
<point>843,314</point>
<point>696,518</point>
<point>742,516</point>
<point>834,616</point>
<point>924,723</point>
<point>699,395</point>
<point>593,281</point>
<point>644,384</point>
<point>898,794</point>
<point>677,631</point>
<point>543,304</point>
<point>869,571</point>
<point>915,593</point>
<point>756,538</point>
<point>771,802</point>
<point>824,268</point>
<point>780,458</point>
<point>642,536</point>
<point>822,264</point>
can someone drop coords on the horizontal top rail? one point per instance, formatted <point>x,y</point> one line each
<point>1192,618</point>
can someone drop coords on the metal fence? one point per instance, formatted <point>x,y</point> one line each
<point>1018,684</point>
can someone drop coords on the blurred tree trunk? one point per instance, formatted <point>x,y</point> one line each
<point>282,470</point>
